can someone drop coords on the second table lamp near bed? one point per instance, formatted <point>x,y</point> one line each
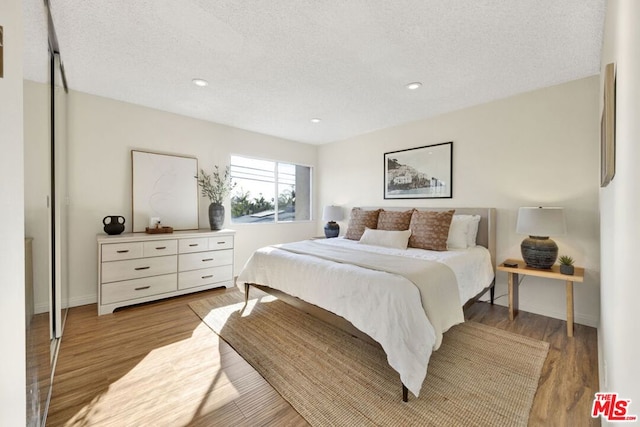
<point>538,250</point>
<point>332,214</point>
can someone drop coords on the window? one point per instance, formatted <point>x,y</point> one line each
<point>268,191</point>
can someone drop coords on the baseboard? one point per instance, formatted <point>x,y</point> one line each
<point>582,319</point>
<point>41,308</point>
<point>83,300</point>
<point>602,371</point>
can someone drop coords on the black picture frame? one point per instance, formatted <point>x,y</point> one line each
<point>419,173</point>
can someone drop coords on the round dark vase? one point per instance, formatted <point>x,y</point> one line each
<point>114,226</point>
<point>331,229</point>
<point>216,216</point>
<point>539,252</point>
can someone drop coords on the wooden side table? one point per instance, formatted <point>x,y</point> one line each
<point>552,273</point>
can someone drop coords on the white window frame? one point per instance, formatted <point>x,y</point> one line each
<point>275,183</point>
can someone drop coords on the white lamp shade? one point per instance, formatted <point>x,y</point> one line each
<point>332,213</point>
<point>542,222</point>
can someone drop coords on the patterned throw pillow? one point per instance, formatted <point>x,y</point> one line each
<point>394,221</point>
<point>359,220</point>
<point>430,229</point>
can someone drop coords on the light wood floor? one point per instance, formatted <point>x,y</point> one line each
<point>158,365</point>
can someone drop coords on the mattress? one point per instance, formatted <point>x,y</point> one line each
<point>387,306</point>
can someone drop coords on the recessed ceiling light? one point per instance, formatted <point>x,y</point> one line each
<point>200,82</point>
<point>316,120</point>
<point>413,86</point>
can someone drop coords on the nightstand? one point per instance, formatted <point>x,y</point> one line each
<point>552,273</point>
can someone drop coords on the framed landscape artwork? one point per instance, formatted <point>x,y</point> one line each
<point>419,173</point>
<point>608,128</point>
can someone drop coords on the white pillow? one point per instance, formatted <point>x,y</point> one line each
<point>386,238</point>
<point>463,231</point>
<point>458,232</point>
<point>472,232</point>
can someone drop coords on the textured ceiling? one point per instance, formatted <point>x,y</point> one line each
<point>274,65</point>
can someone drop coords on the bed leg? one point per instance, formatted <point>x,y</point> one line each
<point>246,293</point>
<point>405,393</point>
<point>492,292</point>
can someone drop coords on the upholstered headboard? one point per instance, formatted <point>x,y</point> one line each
<point>486,229</point>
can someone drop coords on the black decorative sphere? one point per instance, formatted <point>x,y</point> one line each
<point>332,229</point>
<point>539,252</point>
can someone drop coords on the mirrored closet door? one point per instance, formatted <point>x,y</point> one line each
<point>46,283</point>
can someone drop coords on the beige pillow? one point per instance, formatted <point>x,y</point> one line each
<point>386,238</point>
<point>430,229</point>
<point>394,221</point>
<point>359,220</point>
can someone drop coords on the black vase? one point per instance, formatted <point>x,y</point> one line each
<point>114,226</point>
<point>216,216</point>
<point>331,229</point>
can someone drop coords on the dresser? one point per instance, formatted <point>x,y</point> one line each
<point>137,267</point>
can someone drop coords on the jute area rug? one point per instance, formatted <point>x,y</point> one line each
<point>480,376</point>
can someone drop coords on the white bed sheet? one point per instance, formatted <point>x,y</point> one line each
<point>391,313</point>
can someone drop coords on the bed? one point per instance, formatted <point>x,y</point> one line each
<point>404,298</point>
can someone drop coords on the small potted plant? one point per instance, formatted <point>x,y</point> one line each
<point>216,187</point>
<point>566,265</point>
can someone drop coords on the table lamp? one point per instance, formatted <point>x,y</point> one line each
<point>538,250</point>
<point>332,214</point>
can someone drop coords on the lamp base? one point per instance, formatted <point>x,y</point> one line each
<point>332,229</point>
<point>539,252</point>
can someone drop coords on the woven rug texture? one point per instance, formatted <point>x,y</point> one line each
<point>480,376</point>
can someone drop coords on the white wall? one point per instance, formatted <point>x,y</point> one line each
<point>535,149</point>
<point>37,175</point>
<point>102,132</point>
<point>619,331</point>
<point>12,329</point>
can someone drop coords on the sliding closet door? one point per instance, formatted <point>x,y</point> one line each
<point>45,169</point>
<point>59,198</point>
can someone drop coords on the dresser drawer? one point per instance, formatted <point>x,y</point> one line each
<point>194,245</point>
<point>222,242</point>
<point>205,259</point>
<point>136,268</point>
<point>206,276</point>
<point>138,288</point>
<point>160,248</point>
<point>120,251</point>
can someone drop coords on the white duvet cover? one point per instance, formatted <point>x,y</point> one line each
<point>385,306</point>
<point>472,266</point>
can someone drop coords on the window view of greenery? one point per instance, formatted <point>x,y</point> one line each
<point>269,191</point>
